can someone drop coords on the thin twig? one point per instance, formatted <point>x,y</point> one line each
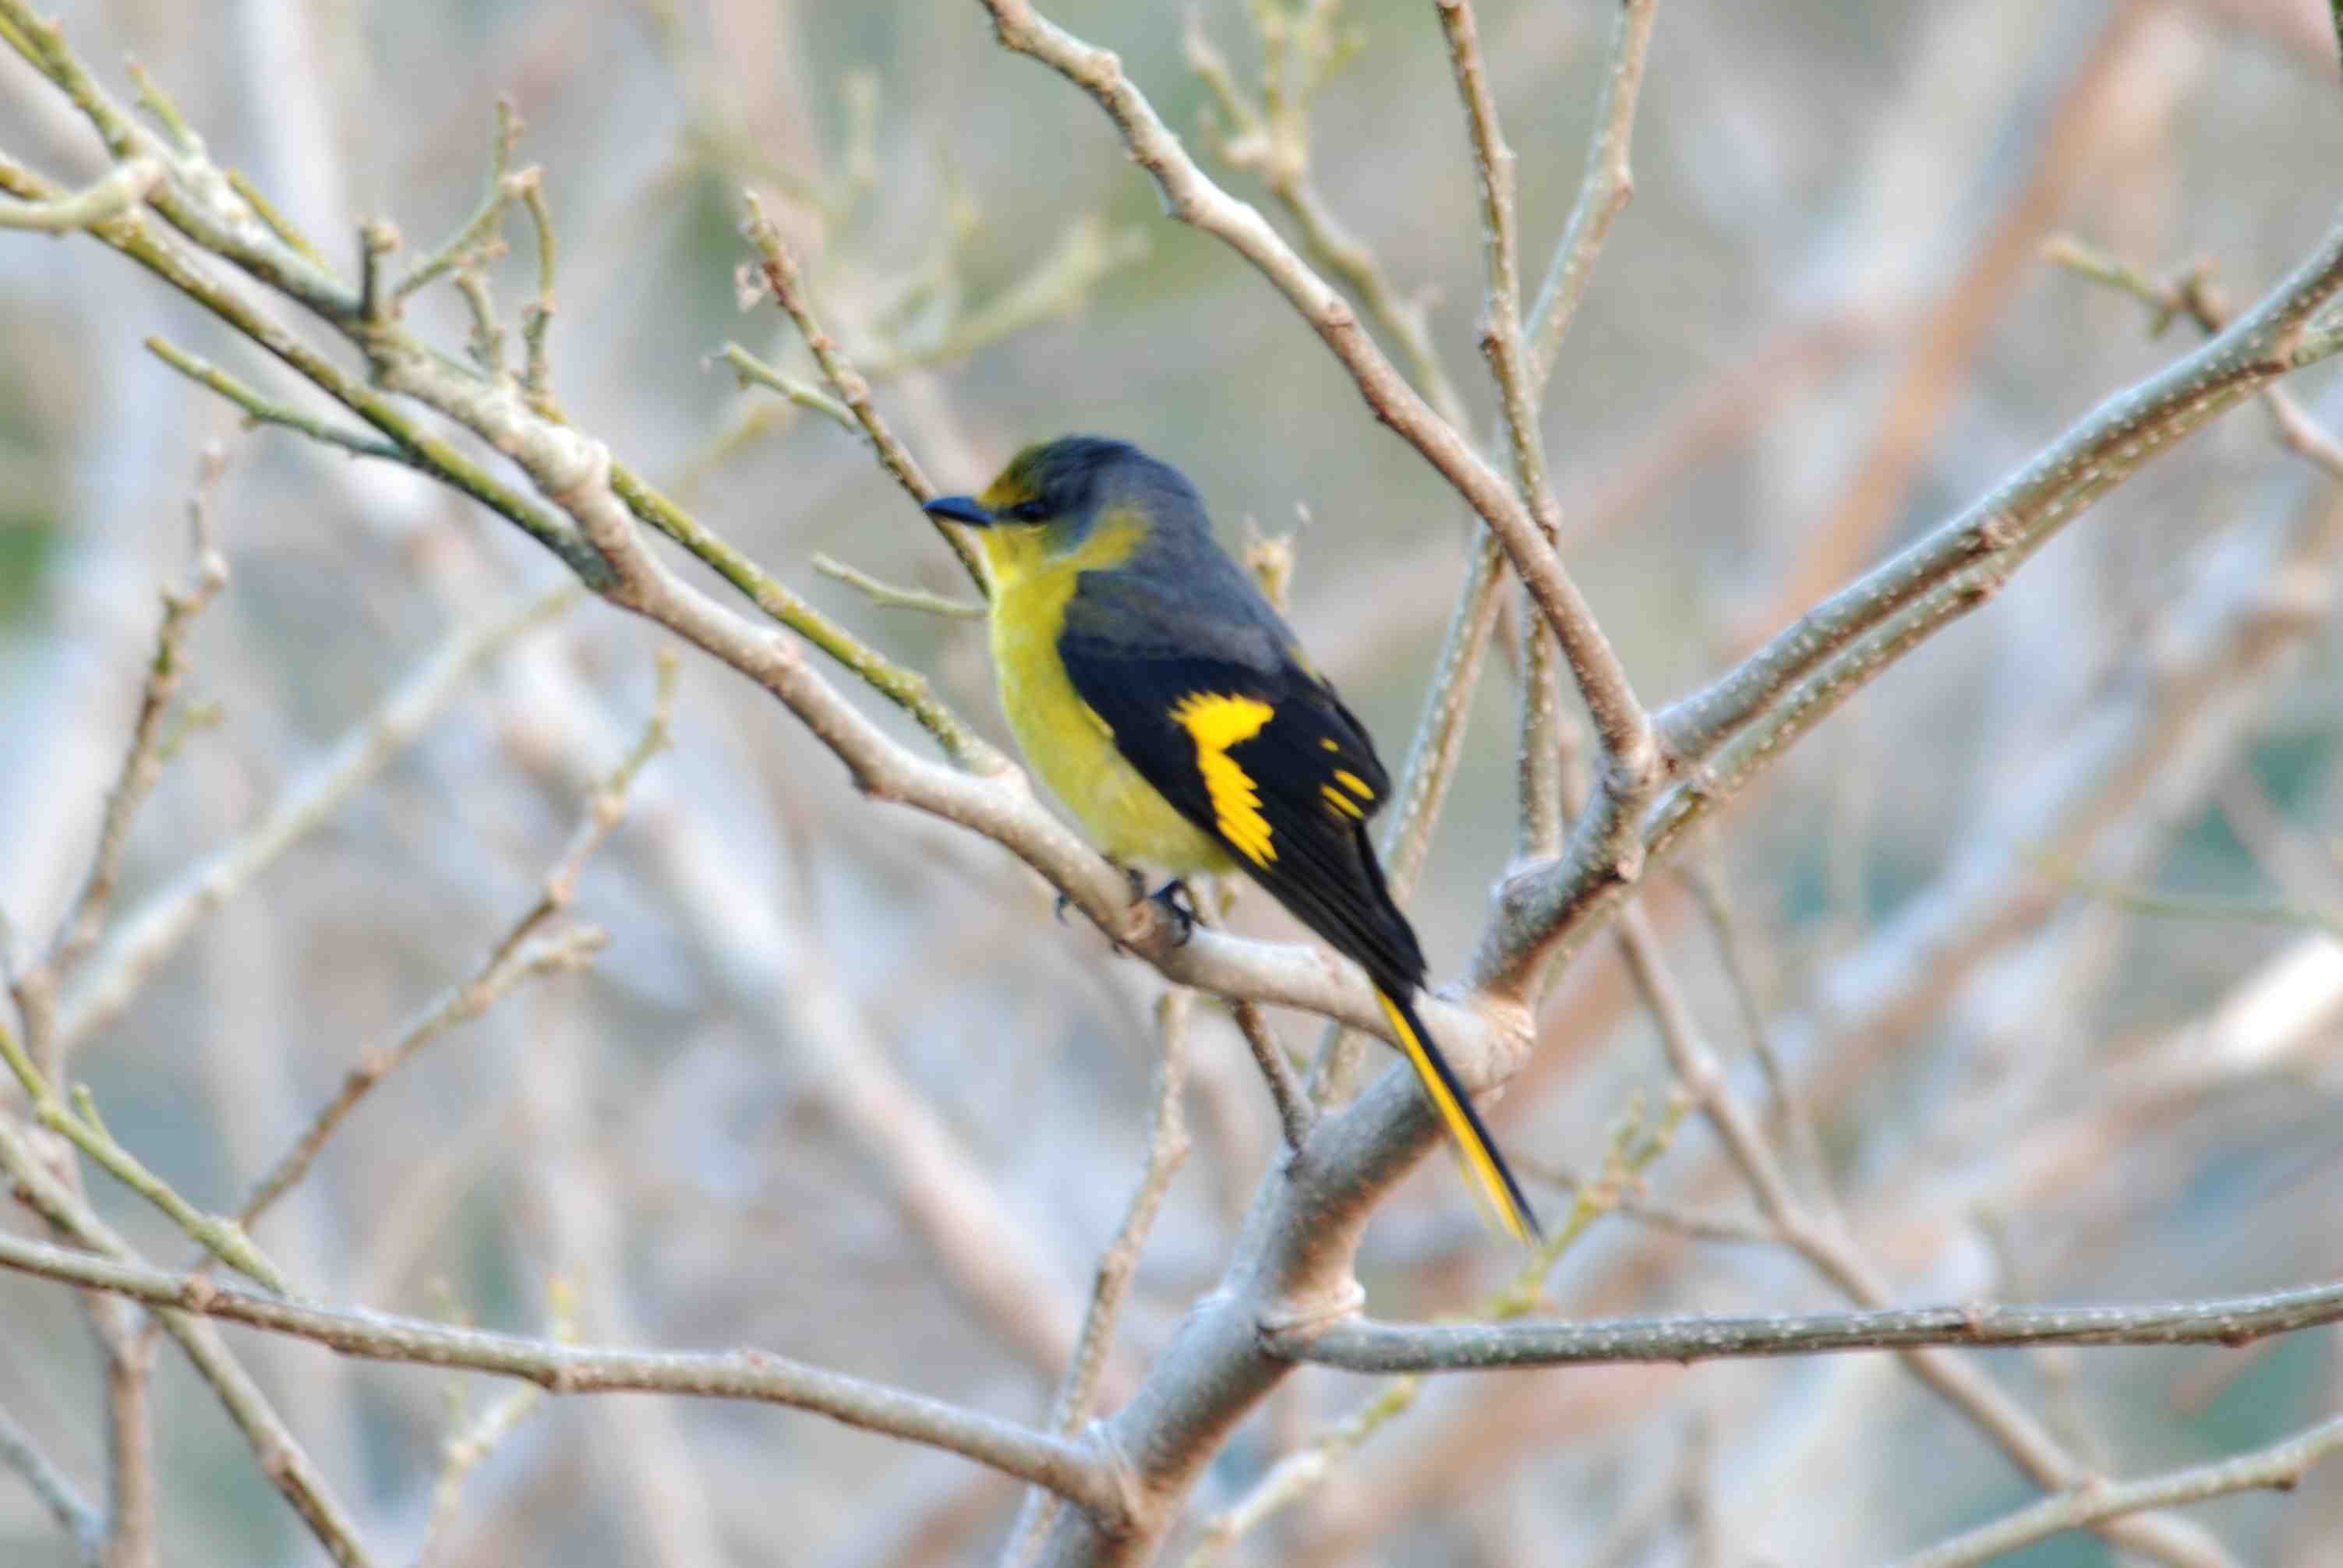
<point>1167,1147</point>
<point>2195,295</point>
<point>2023,1440</point>
<point>1623,728</point>
<point>1703,1227</point>
<point>1539,792</point>
<point>1271,139</point>
<point>888,596</point>
<point>899,684</point>
<point>787,281</point>
<point>750,370</point>
<point>1060,284</point>
<point>1705,877</point>
<point>153,931</point>
<point>466,1445</point>
<point>37,989</point>
<point>265,411</point>
<point>2278,1467</point>
<point>1297,1112</point>
<point>219,1234</point>
<point>536,316</point>
<point>101,202</point>
<point>560,952</point>
<point>520,954</point>
<point>2160,904</point>
<point>486,344</point>
<point>53,1488</point>
<point>1604,190</point>
<point>480,226</point>
<point>1724,735</point>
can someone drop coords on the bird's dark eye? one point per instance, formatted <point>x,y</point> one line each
<point>1026,512</point>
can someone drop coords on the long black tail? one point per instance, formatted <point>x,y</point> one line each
<point>1486,1166</point>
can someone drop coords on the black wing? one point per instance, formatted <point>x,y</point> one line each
<point>1252,747</point>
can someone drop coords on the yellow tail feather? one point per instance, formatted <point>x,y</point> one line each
<point>1492,1183</point>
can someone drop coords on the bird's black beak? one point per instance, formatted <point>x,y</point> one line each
<point>959,510</point>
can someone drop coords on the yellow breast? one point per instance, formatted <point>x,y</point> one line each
<point>1065,743</point>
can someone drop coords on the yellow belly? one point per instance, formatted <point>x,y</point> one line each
<point>1072,751</point>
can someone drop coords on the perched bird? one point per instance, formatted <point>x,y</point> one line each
<point>1159,695</point>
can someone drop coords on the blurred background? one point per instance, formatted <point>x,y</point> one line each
<point>2036,924</point>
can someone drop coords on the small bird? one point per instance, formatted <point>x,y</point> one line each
<point>1159,695</point>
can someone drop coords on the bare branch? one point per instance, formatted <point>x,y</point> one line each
<point>280,1456</point>
<point>2195,295</point>
<point>2023,1440</point>
<point>596,493</point>
<point>1072,1469</point>
<point>1364,1346</point>
<point>2012,520</point>
<point>1634,1144</point>
<point>1725,734</point>
<point>2278,1467</point>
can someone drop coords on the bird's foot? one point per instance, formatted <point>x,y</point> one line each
<point>1177,902</point>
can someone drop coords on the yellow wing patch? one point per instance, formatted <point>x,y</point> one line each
<point>1341,802</point>
<point>1216,721</point>
<point>1354,784</point>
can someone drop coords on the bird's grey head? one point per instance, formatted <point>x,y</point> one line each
<point>1063,488</point>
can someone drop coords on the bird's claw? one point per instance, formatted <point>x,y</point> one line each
<point>1177,902</point>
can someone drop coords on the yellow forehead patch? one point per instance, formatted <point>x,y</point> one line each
<point>1007,491</point>
<point>1216,721</point>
